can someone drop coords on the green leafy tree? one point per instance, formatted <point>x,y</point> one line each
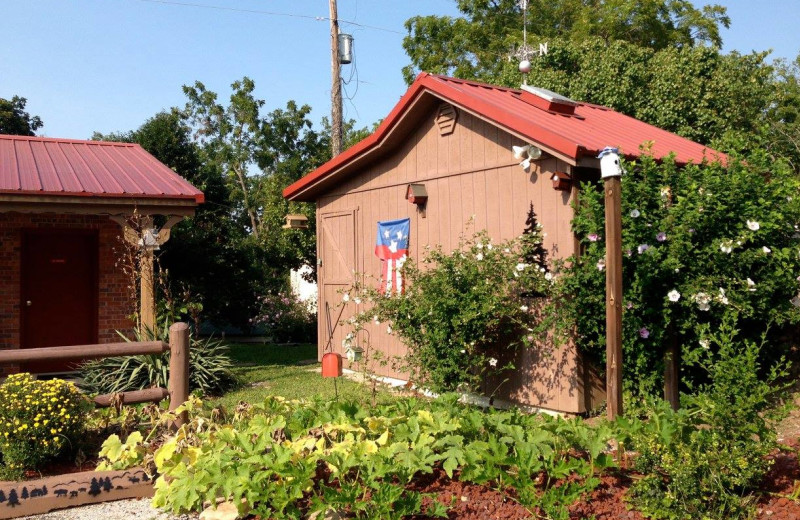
<point>14,120</point>
<point>476,45</point>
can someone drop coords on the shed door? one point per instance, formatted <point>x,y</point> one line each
<point>59,292</point>
<point>338,252</point>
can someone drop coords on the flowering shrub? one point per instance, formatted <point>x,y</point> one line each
<point>38,420</point>
<point>699,242</point>
<point>285,318</point>
<point>461,310</point>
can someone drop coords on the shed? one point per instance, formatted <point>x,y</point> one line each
<point>455,138</point>
<point>65,207</point>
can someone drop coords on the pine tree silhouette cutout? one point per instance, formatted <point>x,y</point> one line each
<point>2,496</point>
<point>24,495</point>
<point>44,490</point>
<point>107,486</point>
<point>94,488</point>
<point>534,252</point>
<point>13,500</point>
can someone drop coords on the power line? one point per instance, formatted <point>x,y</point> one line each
<point>271,13</point>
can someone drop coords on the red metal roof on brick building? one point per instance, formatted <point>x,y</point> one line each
<point>582,134</point>
<point>47,166</point>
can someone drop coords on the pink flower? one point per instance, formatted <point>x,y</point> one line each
<point>661,236</point>
<point>644,333</point>
<point>593,237</point>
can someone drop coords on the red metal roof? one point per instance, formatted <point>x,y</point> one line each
<point>47,166</point>
<point>583,134</point>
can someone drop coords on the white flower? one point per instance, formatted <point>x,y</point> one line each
<point>489,247</point>
<point>642,248</point>
<point>376,320</point>
<point>524,308</point>
<point>479,245</point>
<point>601,264</point>
<point>479,256</point>
<point>346,297</point>
<point>752,225</point>
<point>722,298</point>
<point>463,351</point>
<point>548,276</point>
<point>796,300</point>
<point>388,329</point>
<point>521,267</point>
<point>726,246</point>
<point>357,301</point>
<point>542,269</point>
<point>506,250</point>
<point>674,295</point>
<point>703,300</point>
<point>705,344</point>
<point>766,250</point>
<point>635,213</point>
<point>751,285</point>
<point>492,362</point>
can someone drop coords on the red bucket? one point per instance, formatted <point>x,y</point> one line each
<point>331,365</point>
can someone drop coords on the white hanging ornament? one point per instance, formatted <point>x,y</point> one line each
<point>525,66</point>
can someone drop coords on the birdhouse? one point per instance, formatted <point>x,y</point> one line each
<point>561,181</point>
<point>296,222</point>
<point>331,365</point>
<point>417,194</point>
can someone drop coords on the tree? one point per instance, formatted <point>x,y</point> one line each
<point>477,44</point>
<point>14,120</point>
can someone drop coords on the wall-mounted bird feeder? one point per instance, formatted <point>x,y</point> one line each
<point>296,222</point>
<point>418,195</point>
<point>561,181</point>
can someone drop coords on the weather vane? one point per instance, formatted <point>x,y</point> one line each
<point>526,52</point>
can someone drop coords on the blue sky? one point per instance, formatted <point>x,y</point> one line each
<point>108,65</point>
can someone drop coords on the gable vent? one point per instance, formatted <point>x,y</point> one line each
<point>548,100</point>
<point>446,119</point>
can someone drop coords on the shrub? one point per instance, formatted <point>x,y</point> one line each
<point>209,370</point>
<point>699,241</point>
<point>39,420</point>
<point>462,310</point>
<point>286,318</point>
<point>706,460</point>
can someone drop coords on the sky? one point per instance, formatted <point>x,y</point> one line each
<point>108,65</point>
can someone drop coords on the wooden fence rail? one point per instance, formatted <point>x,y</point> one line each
<point>178,385</point>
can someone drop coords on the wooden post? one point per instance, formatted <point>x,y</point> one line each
<point>672,362</point>
<point>147,308</point>
<point>178,369</point>
<point>611,172</point>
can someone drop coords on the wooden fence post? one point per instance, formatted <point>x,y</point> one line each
<point>178,369</point>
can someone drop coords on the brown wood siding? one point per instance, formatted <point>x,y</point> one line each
<point>469,174</point>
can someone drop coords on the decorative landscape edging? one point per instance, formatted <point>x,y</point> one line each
<point>34,497</point>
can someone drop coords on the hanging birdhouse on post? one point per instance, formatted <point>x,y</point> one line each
<point>561,181</point>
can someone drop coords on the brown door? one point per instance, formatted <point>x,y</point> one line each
<point>59,292</point>
<point>336,273</point>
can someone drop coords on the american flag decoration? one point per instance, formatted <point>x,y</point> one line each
<point>392,248</point>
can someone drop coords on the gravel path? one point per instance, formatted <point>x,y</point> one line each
<point>138,509</point>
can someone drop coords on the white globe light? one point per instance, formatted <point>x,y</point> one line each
<point>525,66</point>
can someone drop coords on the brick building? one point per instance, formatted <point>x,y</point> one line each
<point>64,207</point>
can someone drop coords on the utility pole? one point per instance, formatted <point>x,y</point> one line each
<point>336,84</point>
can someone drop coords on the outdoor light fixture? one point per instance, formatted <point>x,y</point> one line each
<point>527,153</point>
<point>296,222</point>
<point>561,181</point>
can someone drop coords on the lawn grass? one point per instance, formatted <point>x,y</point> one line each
<point>265,370</point>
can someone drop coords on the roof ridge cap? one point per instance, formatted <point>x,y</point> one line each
<point>10,137</point>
